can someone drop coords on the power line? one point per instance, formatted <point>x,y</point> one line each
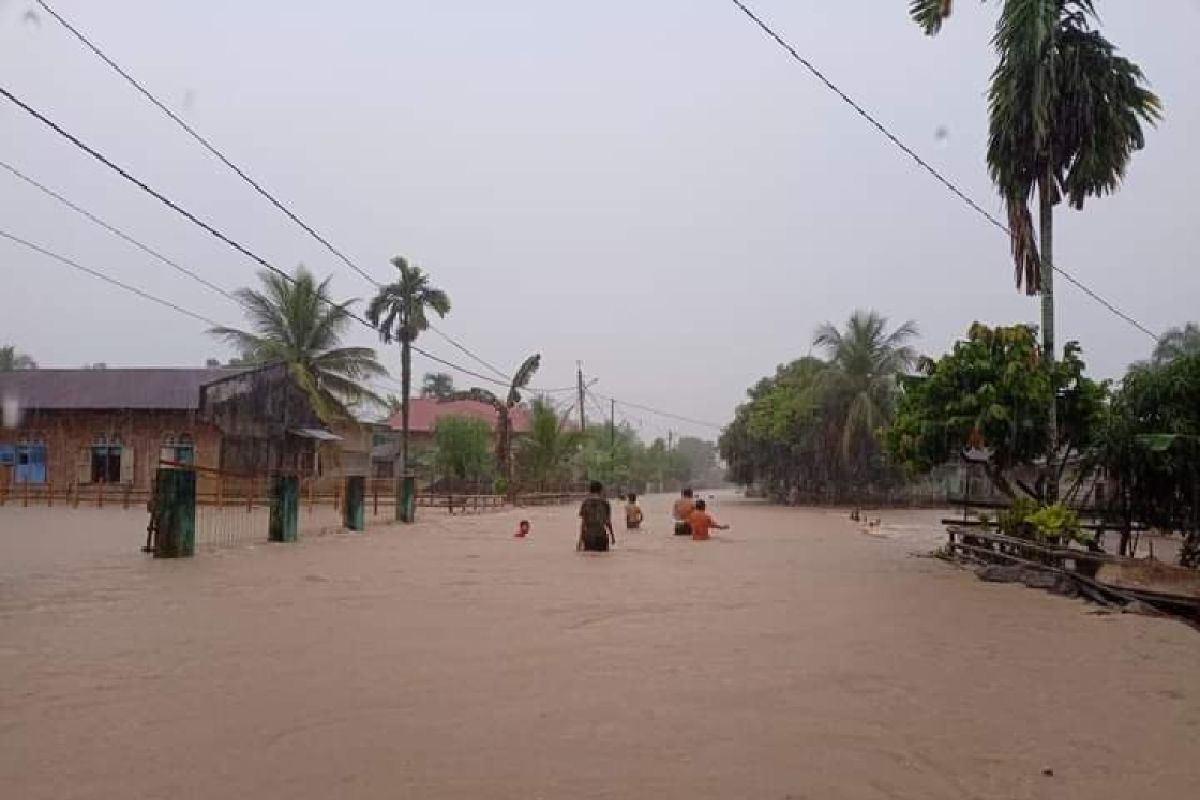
<point>661,413</point>
<point>258,187</point>
<point>96,274</point>
<point>116,231</point>
<point>241,173</point>
<point>210,228</point>
<point>171,204</point>
<point>203,141</point>
<point>457,367</point>
<point>925,164</point>
<point>468,353</point>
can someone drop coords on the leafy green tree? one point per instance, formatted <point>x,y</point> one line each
<point>294,322</point>
<point>1177,343</point>
<point>462,448</point>
<point>1065,117</point>
<point>12,361</point>
<point>696,460</point>
<point>1148,447</point>
<point>545,454</point>
<point>520,381</point>
<point>990,393</point>
<point>866,360</point>
<point>437,386</point>
<point>785,437</point>
<point>400,312</point>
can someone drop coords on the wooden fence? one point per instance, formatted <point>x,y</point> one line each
<point>223,491</point>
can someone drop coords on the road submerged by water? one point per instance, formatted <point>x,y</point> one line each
<point>793,656</point>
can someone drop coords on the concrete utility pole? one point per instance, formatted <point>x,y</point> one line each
<point>582,414</point>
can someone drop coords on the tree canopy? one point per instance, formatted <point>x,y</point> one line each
<point>292,320</point>
<point>12,361</point>
<point>462,448</point>
<point>991,393</point>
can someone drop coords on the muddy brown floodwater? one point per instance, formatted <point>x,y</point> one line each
<point>793,656</point>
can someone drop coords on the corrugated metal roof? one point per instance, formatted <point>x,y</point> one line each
<point>63,389</point>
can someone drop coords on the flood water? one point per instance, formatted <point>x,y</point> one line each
<point>792,656</point>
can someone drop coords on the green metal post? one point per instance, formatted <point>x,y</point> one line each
<point>174,509</point>
<point>285,509</point>
<point>406,498</point>
<point>354,511</point>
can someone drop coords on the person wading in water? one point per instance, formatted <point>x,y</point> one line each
<point>682,510</point>
<point>595,521</point>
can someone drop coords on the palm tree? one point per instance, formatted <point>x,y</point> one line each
<point>392,404</point>
<point>12,361</point>
<point>437,386</point>
<point>1177,342</point>
<point>294,322</point>
<point>1065,116</point>
<point>551,442</point>
<point>399,312</point>
<point>520,381</point>
<point>866,360</point>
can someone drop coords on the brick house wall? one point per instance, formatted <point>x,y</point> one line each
<point>69,436</point>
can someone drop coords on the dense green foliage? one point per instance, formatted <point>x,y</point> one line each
<point>1177,342</point>
<point>293,321</point>
<point>992,393</point>
<point>1149,446</point>
<point>814,426</point>
<point>462,448</point>
<point>504,406</point>
<point>11,360</point>
<point>545,456</point>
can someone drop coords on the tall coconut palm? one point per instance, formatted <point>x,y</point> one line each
<point>1177,342</point>
<point>865,360</point>
<point>437,385</point>
<point>400,312</point>
<point>294,322</point>
<point>12,361</point>
<point>1065,116</point>
<point>550,445</point>
<point>520,381</point>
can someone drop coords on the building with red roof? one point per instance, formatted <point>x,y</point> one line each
<point>423,415</point>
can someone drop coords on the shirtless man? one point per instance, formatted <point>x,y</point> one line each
<point>681,511</point>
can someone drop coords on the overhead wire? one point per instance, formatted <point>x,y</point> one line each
<point>209,228</point>
<point>243,174</point>
<point>937,175</point>
<point>205,143</point>
<point>229,241</point>
<point>116,231</point>
<point>106,278</point>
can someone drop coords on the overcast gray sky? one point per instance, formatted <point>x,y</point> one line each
<point>650,187</point>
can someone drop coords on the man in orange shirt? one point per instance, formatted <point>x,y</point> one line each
<point>701,522</point>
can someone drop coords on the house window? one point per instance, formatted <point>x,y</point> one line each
<point>106,459</point>
<point>30,461</point>
<point>178,449</point>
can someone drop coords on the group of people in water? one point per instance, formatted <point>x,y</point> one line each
<point>690,515</point>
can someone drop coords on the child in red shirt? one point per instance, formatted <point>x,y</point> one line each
<point>702,522</point>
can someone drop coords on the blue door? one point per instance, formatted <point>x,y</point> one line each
<point>31,464</point>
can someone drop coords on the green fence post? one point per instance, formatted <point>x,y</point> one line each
<point>406,498</point>
<point>173,513</point>
<point>354,508</point>
<point>285,509</point>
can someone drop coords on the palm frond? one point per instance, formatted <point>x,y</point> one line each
<point>522,378</point>
<point>930,14</point>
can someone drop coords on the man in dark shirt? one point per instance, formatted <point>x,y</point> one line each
<point>595,521</point>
